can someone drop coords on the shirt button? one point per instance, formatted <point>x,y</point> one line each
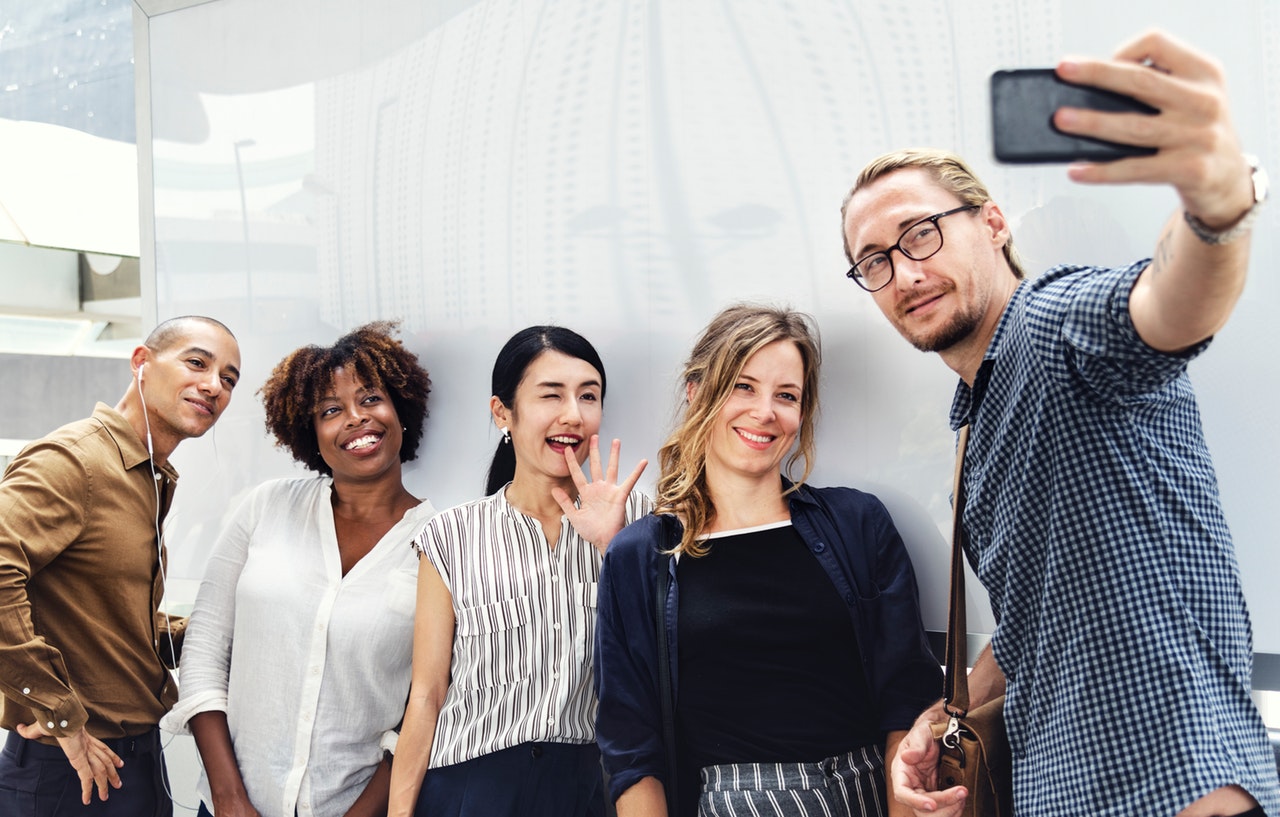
<point>818,547</point>
<point>555,675</point>
<point>26,690</point>
<point>63,724</point>
<point>848,598</point>
<point>551,721</point>
<point>159,477</point>
<point>49,725</point>
<point>555,578</point>
<point>555,626</point>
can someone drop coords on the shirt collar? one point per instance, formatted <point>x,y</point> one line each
<point>967,399</point>
<point>802,495</point>
<point>132,452</point>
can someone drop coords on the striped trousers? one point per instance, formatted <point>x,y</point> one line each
<point>849,785</point>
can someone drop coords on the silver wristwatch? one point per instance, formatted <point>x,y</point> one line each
<point>1260,189</point>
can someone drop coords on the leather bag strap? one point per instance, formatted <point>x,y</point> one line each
<point>955,691</point>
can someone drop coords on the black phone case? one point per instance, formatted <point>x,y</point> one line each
<point>1022,105</point>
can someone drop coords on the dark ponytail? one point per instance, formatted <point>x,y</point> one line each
<point>508,370</point>
<point>502,469</point>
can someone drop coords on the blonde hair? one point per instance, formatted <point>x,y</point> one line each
<point>948,170</point>
<point>714,366</point>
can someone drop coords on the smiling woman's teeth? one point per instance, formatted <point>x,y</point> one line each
<point>564,440</point>
<point>755,438</point>
<point>363,442</point>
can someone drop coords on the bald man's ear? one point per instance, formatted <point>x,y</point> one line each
<point>138,359</point>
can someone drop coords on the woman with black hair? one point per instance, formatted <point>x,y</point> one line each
<point>501,712</point>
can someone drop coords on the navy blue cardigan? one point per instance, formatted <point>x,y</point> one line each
<point>855,541</point>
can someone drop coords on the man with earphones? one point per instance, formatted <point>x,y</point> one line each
<point>82,675</point>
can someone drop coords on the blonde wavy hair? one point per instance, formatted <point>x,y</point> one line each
<point>948,170</point>
<point>714,366</point>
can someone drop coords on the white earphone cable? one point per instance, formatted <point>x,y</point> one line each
<point>164,582</point>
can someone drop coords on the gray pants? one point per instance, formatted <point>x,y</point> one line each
<point>850,785</point>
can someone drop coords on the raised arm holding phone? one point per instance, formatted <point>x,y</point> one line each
<point>1123,640</point>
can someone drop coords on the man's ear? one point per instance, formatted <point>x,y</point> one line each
<point>140,356</point>
<point>993,218</point>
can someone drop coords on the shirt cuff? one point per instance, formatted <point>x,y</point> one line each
<point>390,739</point>
<point>189,706</point>
<point>67,718</point>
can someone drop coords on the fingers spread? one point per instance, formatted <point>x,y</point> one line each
<point>614,451</point>
<point>563,499</point>
<point>575,468</point>
<point>635,477</point>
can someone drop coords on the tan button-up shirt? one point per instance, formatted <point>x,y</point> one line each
<point>80,583</point>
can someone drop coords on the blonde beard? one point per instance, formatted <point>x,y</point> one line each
<point>957,329</point>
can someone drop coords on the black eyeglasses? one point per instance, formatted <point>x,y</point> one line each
<point>919,241</point>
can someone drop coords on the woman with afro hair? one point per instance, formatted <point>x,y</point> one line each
<point>296,664</point>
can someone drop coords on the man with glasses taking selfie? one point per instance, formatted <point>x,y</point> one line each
<point>1092,513</point>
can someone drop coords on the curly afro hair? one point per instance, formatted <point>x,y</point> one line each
<point>378,359</point>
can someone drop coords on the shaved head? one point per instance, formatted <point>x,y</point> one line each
<point>172,331</point>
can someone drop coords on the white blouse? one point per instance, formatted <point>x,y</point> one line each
<point>525,628</point>
<point>311,667</point>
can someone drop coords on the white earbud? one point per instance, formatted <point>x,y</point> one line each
<point>145,418</point>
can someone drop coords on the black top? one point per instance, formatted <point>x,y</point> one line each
<point>770,669</point>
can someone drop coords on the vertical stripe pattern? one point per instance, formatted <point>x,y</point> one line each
<point>525,628</point>
<point>849,785</point>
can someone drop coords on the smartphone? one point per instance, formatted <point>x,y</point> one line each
<point>1022,105</point>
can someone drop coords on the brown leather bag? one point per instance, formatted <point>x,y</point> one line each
<point>974,746</point>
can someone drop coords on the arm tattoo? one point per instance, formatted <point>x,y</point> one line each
<point>1163,255</point>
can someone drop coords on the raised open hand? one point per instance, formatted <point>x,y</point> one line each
<point>602,502</point>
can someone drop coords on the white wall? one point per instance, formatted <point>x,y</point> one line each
<point>627,168</point>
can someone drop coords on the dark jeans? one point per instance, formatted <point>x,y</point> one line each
<point>37,781</point>
<point>528,780</point>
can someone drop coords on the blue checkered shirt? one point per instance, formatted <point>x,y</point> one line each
<point>1094,523</point>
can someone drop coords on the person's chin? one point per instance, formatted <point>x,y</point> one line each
<point>554,466</point>
<point>200,425</point>
<point>940,339</point>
